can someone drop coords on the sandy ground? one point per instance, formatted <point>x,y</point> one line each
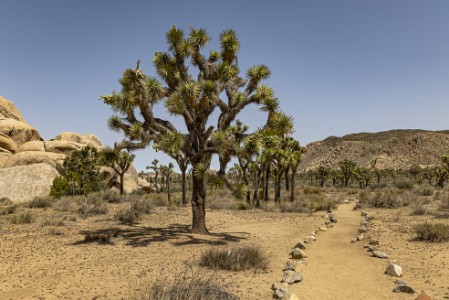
<point>53,262</point>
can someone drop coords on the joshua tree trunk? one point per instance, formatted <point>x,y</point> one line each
<point>277,185</point>
<point>183,186</point>
<point>256,198</point>
<point>266,182</point>
<point>287,178</point>
<point>121,175</point>
<point>293,185</point>
<point>199,186</point>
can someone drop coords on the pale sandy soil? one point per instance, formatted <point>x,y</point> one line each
<point>38,263</point>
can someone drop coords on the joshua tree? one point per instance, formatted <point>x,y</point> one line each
<point>416,171</point>
<point>376,170</point>
<point>347,168</point>
<point>322,174</point>
<point>119,161</point>
<point>214,84</point>
<point>167,171</point>
<point>154,166</point>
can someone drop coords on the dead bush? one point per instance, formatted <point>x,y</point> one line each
<point>311,190</point>
<point>102,237</point>
<point>184,286</point>
<point>235,259</point>
<point>5,201</point>
<point>435,233</point>
<point>294,207</point>
<point>7,210</point>
<point>53,222</point>
<point>23,218</point>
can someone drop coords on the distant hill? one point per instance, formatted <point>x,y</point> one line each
<point>393,149</point>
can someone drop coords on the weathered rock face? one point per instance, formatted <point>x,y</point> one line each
<point>22,146</point>
<point>34,157</point>
<point>23,183</point>
<point>85,139</point>
<point>8,110</point>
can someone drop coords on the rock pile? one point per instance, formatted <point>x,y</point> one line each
<point>28,163</point>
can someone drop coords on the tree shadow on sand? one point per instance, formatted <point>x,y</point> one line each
<point>177,234</point>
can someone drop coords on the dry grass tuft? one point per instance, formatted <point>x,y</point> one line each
<point>235,259</point>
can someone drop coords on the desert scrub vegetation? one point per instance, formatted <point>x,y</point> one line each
<point>319,202</point>
<point>7,210</point>
<point>299,206</point>
<point>435,233</point>
<point>139,206</point>
<point>185,286</point>
<point>23,218</point>
<point>5,201</point>
<point>41,202</point>
<point>311,190</point>
<point>235,259</point>
<point>385,199</point>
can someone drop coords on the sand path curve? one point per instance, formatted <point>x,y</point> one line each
<point>337,269</point>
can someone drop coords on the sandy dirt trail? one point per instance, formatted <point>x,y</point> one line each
<point>337,269</point>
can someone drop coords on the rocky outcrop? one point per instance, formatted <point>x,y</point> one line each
<point>23,151</point>
<point>392,149</point>
<point>23,183</point>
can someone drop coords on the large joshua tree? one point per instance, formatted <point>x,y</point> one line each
<point>214,83</point>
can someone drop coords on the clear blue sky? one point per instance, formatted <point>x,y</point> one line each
<point>338,67</point>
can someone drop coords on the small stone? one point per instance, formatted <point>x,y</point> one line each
<point>364,223</point>
<point>373,242</point>
<point>369,217</point>
<point>300,245</point>
<point>372,248</point>
<point>333,219</point>
<point>276,285</point>
<point>303,262</point>
<point>353,240</point>
<point>363,229</point>
<point>331,225</point>
<point>366,246</point>
<point>423,296</point>
<point>394,270</point>
<point>322,228</point>
<point>363,213</point>
<point>403,288</point>
<point>281,293</point>
<point>309,239</point>
<point>291,277</point>
<point>297,254</point>
<point>328,222</point>
<point>380,254</point>
<point>360,237</point>
<point>400,282</point>
<point>290,265</point>
<point>346,201</point>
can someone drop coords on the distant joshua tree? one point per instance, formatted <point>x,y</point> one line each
<point>347,168</point>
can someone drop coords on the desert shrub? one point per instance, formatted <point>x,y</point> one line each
<point>60,187</point>
<point>5,201</point>
<point>65,203</point>
<point>102,237</point>
<point>53,222</point>
<point>242,206</point>
<point>127,216</point>
<point>92,205</point>
<point>426,191</point>
<point>380,199</point>
<point>7,210</point>
<point>235,259</point>
<point>159,200</point>
<point>141,205</point>
<point>183,287</point>
<point>404,185</point>
<point>139,192</point>
<point>352,192</point>
<point>320,202</point>
<point>294,207</point>
<point>111,196</point>
<point>418,209</point>
<point>311,190</point>
<point>23,218</point>
<point>435,233</point>
<point>41,202</point>
<point>378,186</point>
<point>444,202</point>
<point>224,203</point>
